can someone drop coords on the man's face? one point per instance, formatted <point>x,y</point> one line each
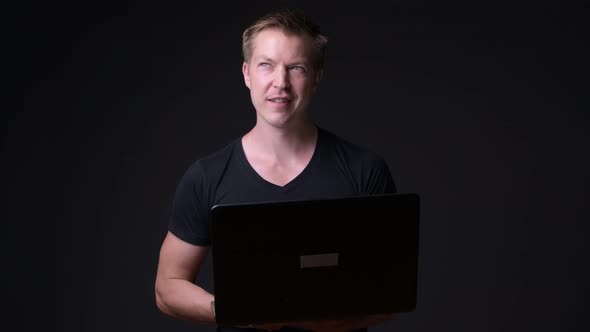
<point>280,77</point>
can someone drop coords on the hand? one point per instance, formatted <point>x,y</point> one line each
<point>343,325</point>
<point>266,326</point>
<point>348,324</point>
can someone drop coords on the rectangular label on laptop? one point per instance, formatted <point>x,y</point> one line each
<point>320,260</point>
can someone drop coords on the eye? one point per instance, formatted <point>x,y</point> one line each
<point>264,65</point>
<point>298,68</point>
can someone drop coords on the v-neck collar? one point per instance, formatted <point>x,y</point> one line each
<point>293,183</point>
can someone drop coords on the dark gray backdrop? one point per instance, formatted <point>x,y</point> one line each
<point>479,108</point>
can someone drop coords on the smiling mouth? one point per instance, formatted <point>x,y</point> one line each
<point>279,100</point>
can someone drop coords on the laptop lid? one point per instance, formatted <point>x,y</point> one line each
<point>315,259</point>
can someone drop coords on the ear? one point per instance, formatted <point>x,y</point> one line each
<point>246,74</point>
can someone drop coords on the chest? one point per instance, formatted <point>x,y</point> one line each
<point>244,183</point>
<point>278,174</point>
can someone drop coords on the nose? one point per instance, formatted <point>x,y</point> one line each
<point>281,78</point>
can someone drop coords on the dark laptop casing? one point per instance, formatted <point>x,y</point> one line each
<point>315,259</point>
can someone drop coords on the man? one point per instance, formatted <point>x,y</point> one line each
<point>285,156</point>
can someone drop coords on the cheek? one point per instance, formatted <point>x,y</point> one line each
<point>307,87</point>
<point>261,81</point>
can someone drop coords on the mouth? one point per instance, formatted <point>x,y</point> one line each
<point>280,101</point>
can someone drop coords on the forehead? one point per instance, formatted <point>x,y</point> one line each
<point>275,42</point>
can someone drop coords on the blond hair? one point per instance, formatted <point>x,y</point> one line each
<point>290,22</point>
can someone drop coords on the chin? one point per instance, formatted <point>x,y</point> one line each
<point>279,124</point>
<point>279,120</point>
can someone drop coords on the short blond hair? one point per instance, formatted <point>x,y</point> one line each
<point>291,22</point>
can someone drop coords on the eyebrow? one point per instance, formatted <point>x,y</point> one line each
<point>296,63</point>
<point>263,59</point>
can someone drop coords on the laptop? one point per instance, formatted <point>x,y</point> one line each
<point>315,259</point>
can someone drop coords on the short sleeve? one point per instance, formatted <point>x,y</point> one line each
<point>189,219</point>
<point>378,177</point>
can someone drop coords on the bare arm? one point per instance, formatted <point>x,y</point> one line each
<point>176,293</point>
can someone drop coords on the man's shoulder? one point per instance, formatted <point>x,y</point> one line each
<point>347,147</point>
<point>222,153</point>
<point>214,160</point>
<point>364,167</point>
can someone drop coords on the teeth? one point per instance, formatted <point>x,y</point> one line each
<point>279,100</point>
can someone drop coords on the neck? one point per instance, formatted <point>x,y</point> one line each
<point>282,144</point>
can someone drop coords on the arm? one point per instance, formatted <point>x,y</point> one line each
<point>176,293</point>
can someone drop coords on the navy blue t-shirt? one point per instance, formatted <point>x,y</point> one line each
<point>338,168</point>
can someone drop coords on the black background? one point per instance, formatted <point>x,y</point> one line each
<point>479,108</point>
